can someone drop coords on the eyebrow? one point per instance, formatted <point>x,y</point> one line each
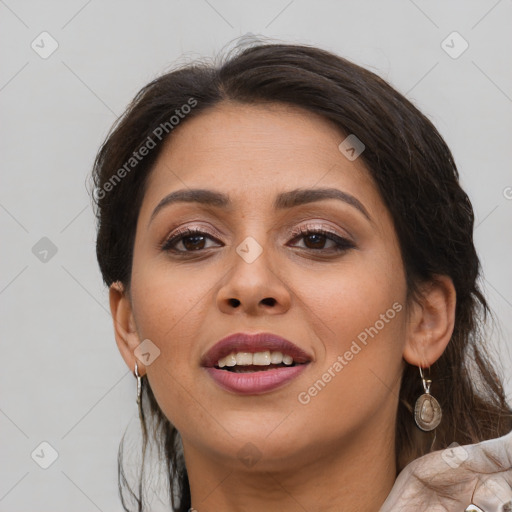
<point>283,201</point>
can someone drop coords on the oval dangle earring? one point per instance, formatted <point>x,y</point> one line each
<point>427,411</point>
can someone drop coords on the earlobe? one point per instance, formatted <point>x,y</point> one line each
<point>432,322</point>
<point>125,331</point>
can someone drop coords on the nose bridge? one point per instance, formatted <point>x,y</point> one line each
<point>252,257</point>
<point>253,244</point>
<point>252,236</point>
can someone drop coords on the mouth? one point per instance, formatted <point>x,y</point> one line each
<point>254,363</point>
<point>247,362</point>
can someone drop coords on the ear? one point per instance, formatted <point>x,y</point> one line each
<point>431,322</point>
<point>125,331</point>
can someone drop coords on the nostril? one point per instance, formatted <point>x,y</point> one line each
<point>234,302</point>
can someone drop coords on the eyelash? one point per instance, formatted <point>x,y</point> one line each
<point>342,244</point>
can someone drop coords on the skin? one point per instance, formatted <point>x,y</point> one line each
<point>336,452</point>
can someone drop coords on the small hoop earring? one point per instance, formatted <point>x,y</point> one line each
<point>139,384</point>
<point>427,411</point>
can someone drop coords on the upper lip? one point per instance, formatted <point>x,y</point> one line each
<point>259,342</point>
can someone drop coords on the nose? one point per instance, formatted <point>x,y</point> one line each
<point>254,286</point>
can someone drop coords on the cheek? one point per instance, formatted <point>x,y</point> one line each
<point>168,305</point>
<point>166,295</point>
<point>360,314</point>
<point>352,297</point>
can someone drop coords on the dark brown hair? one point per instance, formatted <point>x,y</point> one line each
<point>412,168</point>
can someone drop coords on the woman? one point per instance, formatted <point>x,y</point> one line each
<point>293,282</point>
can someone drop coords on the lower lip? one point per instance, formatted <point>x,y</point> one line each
<point>255,382</point>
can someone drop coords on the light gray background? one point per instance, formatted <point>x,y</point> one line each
<point>63,380</point>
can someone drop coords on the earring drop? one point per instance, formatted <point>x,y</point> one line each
<point>139,384</point>
<point>427,411</point>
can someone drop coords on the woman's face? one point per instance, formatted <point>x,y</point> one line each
<point>251,272</point>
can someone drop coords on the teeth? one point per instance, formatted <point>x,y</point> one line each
<point>287,359</point>
<point>230,360</point>
<point>261,358</point>
<point>276,357</point>
<point>243,358</point>
<point>258,359</point>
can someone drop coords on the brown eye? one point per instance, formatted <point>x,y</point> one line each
<point>315,239</point>
<point>191,239</point>
<point>193,242</point>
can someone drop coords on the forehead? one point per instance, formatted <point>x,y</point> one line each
<point>253,151</point>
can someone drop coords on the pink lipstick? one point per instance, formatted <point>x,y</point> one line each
<point>254,363</point>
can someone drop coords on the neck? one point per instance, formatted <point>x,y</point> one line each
<point>357,476</point>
